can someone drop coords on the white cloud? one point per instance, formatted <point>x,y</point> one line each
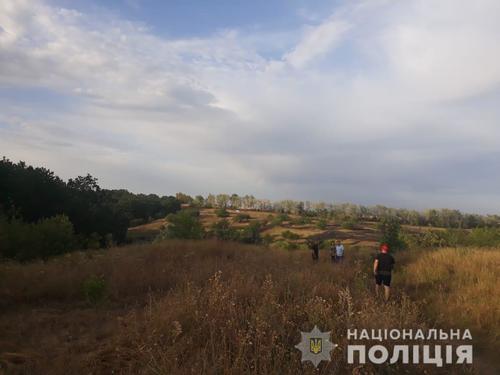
<point>377,91</point>
<point>317,41</point>
<point>446,51</point>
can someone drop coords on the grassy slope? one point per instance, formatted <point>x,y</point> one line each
<point>211,307</point>
<point>365,234</point>
<point>462,288</point>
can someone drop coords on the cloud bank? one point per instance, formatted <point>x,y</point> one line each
<point>377,102</point>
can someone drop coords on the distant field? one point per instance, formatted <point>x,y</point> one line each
<point>184,307</point>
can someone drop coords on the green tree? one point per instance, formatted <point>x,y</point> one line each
<point>184,198</point>
<point>222,212</point>
<point>251,233</point>
<point>222,230</point>
<point>184,224</point>
<point>390,228</point>
<point>322,223</point>
<point>26,241</point>
<point>242,218</point>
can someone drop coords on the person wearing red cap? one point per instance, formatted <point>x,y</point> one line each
<point>382,269</point>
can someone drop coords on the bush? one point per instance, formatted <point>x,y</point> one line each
<point>93,241</point>
<point>279,219</point>
<point>289,235</point>
<point>349,223</point>
<point>184,224</point>
<point>287,245</point>
<point>222,212</point>
<point>390,228</point>
<point>94,290</point>
<point>479,237</point>
<point>242,218</point>
<point>483,237</point>
<point>302,220</point>
<point>267,239</point>
<point>222,230</point>
<point>322,223</point>
<point>46,238</point>
<point>192,211</point>
<point>251,233</point>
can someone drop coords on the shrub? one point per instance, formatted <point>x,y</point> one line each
<point>251,233</point>
<point>322,223</point>
<point>349,223</point>
<point>241,218</point>
<point>222,230</point>
<point>279,219</point>
<point>93,241</point>
<point>46,238</point>
<point>390,228</point>
<point>222,212</point>
<point>289,235</point>
<point>184,224</point>
<point>267,239</point>
<point>302,220</point>
<point>287,245</point>
<point>479,237</point>
<point>192,211</point>
<point>94,290</point>
<point>484,237</point>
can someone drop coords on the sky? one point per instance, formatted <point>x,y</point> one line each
<point>370,102</point>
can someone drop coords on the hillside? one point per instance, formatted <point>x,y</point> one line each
<point>362,234</point>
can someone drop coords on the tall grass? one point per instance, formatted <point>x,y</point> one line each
<point>197,307</point>
<point>461,287</point>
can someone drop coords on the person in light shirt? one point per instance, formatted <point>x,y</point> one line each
<point>339,252</point>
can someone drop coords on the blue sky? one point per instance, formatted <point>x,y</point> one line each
<point>372,102</point>
<point>189,18</point>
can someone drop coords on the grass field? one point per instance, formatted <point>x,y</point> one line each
<point>209,307</point>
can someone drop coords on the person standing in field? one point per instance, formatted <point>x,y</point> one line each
<point>339,252</point>
<point>314,246</point>
<point>382,270</point>
<point>333,253</point>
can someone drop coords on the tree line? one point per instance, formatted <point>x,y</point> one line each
<point>443,218</point>
<point>41,215</point>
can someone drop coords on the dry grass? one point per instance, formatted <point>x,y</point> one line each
<point>183,307</point>
<point>365,234</point>
<point>463,284</point>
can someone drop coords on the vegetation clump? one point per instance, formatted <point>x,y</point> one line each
<point>94,290</point>
<point>222,212</point>
<point>390,229</point>
<point>184,224</point>
<point>242,218</point>
<point>289,235</point>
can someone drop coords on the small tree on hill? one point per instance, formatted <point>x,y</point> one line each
<point>222,230</point>
<point>184,224</point>
<point>391,228</point>
<point>322,223</point>
<point>222,212</point>
<point>242,218</point>
<point>251,233</point>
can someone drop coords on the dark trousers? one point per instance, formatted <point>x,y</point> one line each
<point>315,254</point>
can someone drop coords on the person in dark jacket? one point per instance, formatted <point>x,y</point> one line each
<point>314,245</point>
<point>382,269</point>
